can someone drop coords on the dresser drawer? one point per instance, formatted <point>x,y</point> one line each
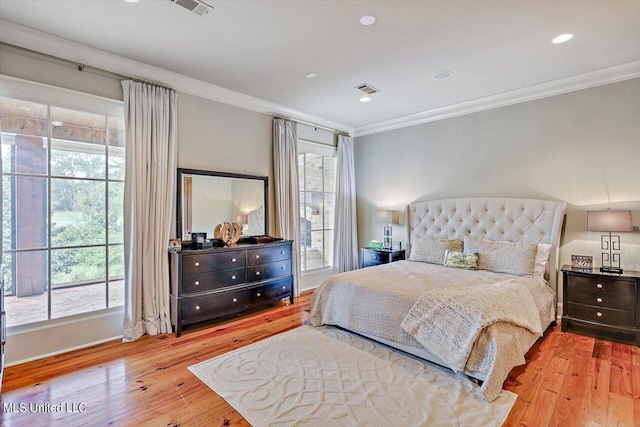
<point>270,292</point>
<point>599,285</point>
<point>213,305</point>
<point>213,262</point>
<point>370,258</point>
<point>600,315</point>
<point>259,256</point>
<point>268,271</point>
<point>602,299</point>
<point>202,282</point>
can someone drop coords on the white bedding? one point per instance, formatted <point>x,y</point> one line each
<point>375,300</point>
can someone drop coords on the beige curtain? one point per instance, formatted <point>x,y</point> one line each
<point>345,232</point>
<point>287,187</point>
<point>150,128</point>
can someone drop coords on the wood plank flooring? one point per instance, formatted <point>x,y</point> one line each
<point>569,380</point>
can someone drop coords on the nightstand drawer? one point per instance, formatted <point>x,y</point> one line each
<point>598,285</point>
<point>600,315</point>
<point>602,299</point>
<point>372,258</point>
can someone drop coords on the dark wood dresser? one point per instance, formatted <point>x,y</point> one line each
<point>212,283</point>
<point>602,305</point>
<point>371,257</point>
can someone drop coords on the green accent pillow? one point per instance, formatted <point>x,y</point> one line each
<point>457,259</point>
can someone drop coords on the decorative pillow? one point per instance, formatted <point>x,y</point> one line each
<point>504,257</point>
<point>457,259</point>
<point>427,249</point>
<point>540,266</point>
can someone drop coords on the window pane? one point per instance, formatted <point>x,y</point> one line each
<point>79,126</point>
<point>301,171</point>
<point>116,132</point>
<point>303,251</point>
<point>116,163</point>
<point>24,212</point>
<point>116,212</point>
<point>329,209</point>
<point>314,252</point>
<point>313,172</point>
<point>78,281</point>
<point>78,212</point>
<point>25,275</point>
<point>328,247</point>
<point>330,174</point>
<point>25,128</point>
<point>75,159</point>
<point>116,273</point>
<point>312,205</point>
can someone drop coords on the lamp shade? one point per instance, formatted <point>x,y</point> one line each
<point>387,216</point>
<point>609,221</point>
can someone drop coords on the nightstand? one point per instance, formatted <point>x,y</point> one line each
<point>372,257</point>
<point>602,305</point>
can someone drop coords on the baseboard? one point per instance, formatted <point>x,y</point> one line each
<point>62,351</point>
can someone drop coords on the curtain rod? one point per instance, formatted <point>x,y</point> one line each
<point>82,67</point>
<point>315,126</point>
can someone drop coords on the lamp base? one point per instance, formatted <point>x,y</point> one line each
<point>612,270</point>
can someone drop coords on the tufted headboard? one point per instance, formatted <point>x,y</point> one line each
<point>500,219</point>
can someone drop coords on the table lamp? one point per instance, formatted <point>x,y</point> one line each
<point>610,221</point>
<point>387,217</point>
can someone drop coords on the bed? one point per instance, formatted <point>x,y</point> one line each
<point>415,305</point>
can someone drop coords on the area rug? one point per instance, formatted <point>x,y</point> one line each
<point>326,376</point>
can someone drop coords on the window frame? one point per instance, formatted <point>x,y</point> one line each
<point>324,150</point>
<point>52,96</point>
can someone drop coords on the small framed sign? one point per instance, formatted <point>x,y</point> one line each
<point>582,262</point>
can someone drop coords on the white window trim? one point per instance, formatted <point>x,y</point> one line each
<point>305,146</point>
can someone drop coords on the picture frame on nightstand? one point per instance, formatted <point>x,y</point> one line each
<point>582,263</point>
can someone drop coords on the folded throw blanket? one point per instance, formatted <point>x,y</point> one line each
<point>447,321</point>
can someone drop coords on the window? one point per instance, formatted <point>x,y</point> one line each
<point>317,176</point>
<point>62,211</point>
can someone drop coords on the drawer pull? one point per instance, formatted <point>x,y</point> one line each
<point>599,286</point>
<point>258,294</point>
<point>282,267</point>
<point>196,283</point>
<point>235,300</point>
<point>257,256</point>
<point>257,273</point>
<point>282,252</point>
<point>599,299</point>
<point>197,307</point>
<point>233,277</point>
<point>598,314</point>
<point>284,287</point>
<point>197,264</point>
<point>233,260</point>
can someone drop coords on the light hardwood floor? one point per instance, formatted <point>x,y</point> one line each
<point>569,380</point>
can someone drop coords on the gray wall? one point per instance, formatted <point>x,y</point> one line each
<point>581,147</point>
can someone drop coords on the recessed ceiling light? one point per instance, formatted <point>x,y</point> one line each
<point>365,99</point>
<point>441,75</point>
<point>132,1</point>
<point>368,19</point>
<point>56,123</point>
<point>562,38</point>
<point>310,75</point>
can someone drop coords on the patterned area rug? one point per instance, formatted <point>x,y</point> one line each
<point>326,376</point>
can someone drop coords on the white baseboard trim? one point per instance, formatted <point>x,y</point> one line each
<point>61,351</point>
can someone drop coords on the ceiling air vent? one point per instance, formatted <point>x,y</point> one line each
<point>195,6</point>
<point>367,88</point>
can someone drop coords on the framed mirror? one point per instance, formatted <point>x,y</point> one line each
<point>208,198</point>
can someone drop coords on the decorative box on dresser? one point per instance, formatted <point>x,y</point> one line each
<point>602,305</point>
<point>221,281</point>
<point>371,257</point>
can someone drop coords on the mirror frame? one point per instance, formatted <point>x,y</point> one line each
<point>179,196</point>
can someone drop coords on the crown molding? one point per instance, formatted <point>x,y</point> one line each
<point>556,87</point>
<point>29,38</point>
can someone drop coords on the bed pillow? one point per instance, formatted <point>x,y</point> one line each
<point>504,257</point>
<point>428,249</point>
<point>457,259</point>
<point>542,256</point>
